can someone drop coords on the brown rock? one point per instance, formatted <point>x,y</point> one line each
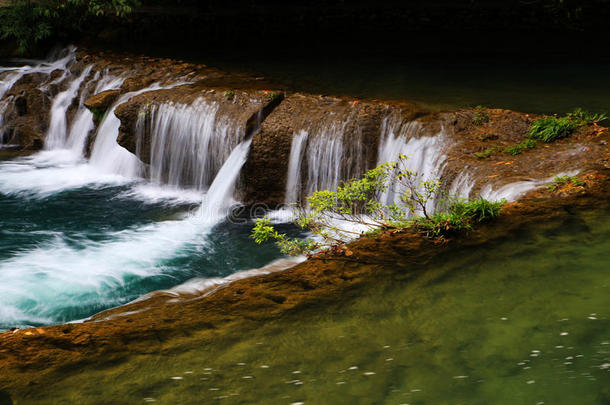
<point>102,100</point>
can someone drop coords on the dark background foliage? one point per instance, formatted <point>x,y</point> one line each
<point>189,27</point>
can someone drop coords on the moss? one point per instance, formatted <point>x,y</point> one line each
<point>98,113</point>
<point>274,96</point>
<point>486,153</point>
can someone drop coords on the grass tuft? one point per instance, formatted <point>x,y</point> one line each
<point>526,145</point>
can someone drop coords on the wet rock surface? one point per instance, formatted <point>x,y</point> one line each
<point>102,100</point>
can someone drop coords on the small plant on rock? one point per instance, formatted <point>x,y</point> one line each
<point>521,147</point>
<point>480,116</point>
<point>229,95</point>
<point>486,153</point>
<point>354,209</point>
<point>549,129</point>
<point>562,181</point>
<point>586,117</point>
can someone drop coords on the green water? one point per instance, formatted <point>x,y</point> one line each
<point>536,85</point>
<point>521,320</point>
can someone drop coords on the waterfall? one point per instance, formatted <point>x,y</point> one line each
<point>188,143</point>
<point>13,75</point>
<point>10,79</point>
<point>83,120</point>
<point>3,106</point>
<point>219,197</point>
<point>57,134</point>
<point>330,153</point>
<point>108,82</point>
<point>425,153</point>
<point>293,183</point>
<point>107,155</point>
<point>462,186</point>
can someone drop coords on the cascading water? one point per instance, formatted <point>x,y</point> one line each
<point>219,197</point>
<point>94,241</point>
<point>83,120</point>
<point>462,185</point>
<point>57,135</point>
<point>66,57</point>
<point>425,153</point>
<point>512,191</point>
<point>72,261</point>
<point>3,106</point>
<point>107,155</point>
<point>293,184</point>
<point>189,143</point>
<point>329,153</point>
<point>11,76</point>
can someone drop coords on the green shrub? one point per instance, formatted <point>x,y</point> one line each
<point>28,22</point>
<point>356,202</point>
<point>460,215</point>
<point>560,181</point>
<point>522,147</point>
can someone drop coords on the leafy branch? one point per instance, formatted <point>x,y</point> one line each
<point>29,22</point>
<point>354,209</point>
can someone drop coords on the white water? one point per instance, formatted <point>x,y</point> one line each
<point>189,143</point>
<point>10,76</point>
<point>72,271</point>
<point>329,154</point>
<point>107,155</point>
<point>50,172</point>
<point>462,185</point>
<point>69,272</point>
<point>44,67</point>
<point>57,134</point>
<point>512,191</point>
<point>3,106</point>
<point>219,199</point>
<point>425,153</point>
<point>83,120</point>
<point>59,275</point>
<point>293,183</point>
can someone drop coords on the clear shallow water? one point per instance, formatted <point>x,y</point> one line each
<point>74,241</point>
<point>522,320</point>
